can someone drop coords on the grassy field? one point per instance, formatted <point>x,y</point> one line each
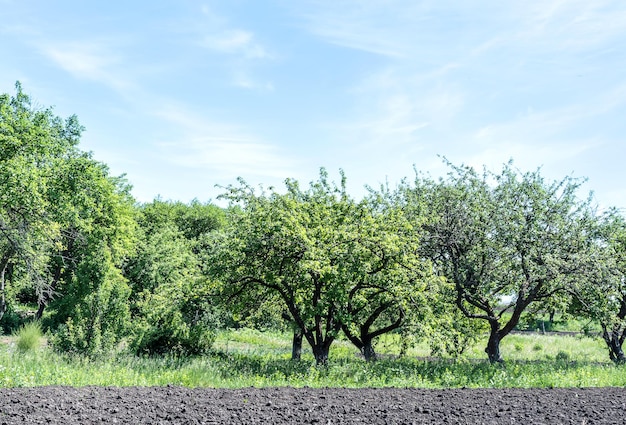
<point>250,358</point>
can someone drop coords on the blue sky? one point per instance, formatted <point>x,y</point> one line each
<point>182,95</point>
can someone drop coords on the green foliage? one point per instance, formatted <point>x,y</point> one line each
<point>600,296</point>
<point>175,320</point>
<point>34,144</point>
<point>562,356</point>
<point>332,263</point>
<point>170,302</point>
<point>94,314</point>
<point>259,359</point>
<point>65,227</point>
<point>503,236</point>
<point>29,337</point>
<point>421,262</point>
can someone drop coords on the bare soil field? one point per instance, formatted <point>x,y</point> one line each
<point>177,405</point>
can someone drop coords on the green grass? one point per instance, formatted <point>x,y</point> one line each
<point>29,337</point>
<point>250,358</point>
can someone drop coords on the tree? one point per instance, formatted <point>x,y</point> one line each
<point>335,263</point>
<point>170,303</point>
<point>505,240</point>
<point>281,244</point>
<point>90,313</point>
<point>34,143</point>
<point>600,294</point>
<point>389,285</point>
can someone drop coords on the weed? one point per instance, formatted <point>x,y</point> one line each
<point>29,337</point>
<point>263,360</point>
<point>562,356</point>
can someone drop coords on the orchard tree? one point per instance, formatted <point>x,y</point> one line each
<point>389,285</point>
<point>322,254</point>
<point>505,240</point>
<point>600,295</point>
<point>282,243</point>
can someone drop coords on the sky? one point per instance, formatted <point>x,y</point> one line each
<point>186,96</point>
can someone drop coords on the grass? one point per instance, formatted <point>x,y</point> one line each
<point>29,337</point>
<point>250,358</point>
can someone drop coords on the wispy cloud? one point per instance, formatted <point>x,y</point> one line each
<point>464,81</point>
<point>241,49</point>
<point>363,25</point>
<point>225,151</point>
<point>401,108</point>
<point>235,42</point>
<point>571,24</point>
<point>229,158</point>
<point>89,61</point>
<point>405,28</point>
<point>561,135</point>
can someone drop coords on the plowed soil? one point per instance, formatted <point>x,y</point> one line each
<point>176,405</point>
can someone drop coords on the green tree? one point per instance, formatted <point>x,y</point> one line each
<point>172,310</point>
<point>33,144</point>
<point>505,240</point>
<point>600,294</point>
<point>389,285</point>
<point>65,225</point>
<point>90,311</point>
<point>334,262</point>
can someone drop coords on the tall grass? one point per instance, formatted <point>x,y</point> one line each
<point>250,358</point>
<point>29,337</point>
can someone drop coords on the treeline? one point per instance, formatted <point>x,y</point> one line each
<point>443,259</point>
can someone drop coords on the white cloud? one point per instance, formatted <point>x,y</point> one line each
<point>240,48</point>
<point>244,80</point>
<point>561,136</point>
<point>227,151</point>
<point>407,29</point>
<point>235,42</point>
<point>401,107</point>
<point>89,61</point>
<point>229,158</point>
<point>571,24</point>
<point>374,26</point>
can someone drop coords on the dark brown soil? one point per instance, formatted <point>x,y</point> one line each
<point>176,405</point>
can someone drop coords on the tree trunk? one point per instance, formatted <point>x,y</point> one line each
<point>612,339</point>
<point>46,298</point>
<point>3,302</point>
<point>493,345</point>
<point>368,350</point>
<point>320,352</point>
<point>296,345</point>
<point>43,302</point>
<point>4,264</point>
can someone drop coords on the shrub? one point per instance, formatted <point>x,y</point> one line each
<point>562,356</point>
<point>29,337</point>
<point>176,338</point>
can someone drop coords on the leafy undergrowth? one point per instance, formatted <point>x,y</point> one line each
<point>250,358</point>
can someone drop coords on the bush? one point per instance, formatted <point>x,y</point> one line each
<point>562,356</point>
<point>180,339</point>
<point>29,337</point>
<point>93,316</point>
